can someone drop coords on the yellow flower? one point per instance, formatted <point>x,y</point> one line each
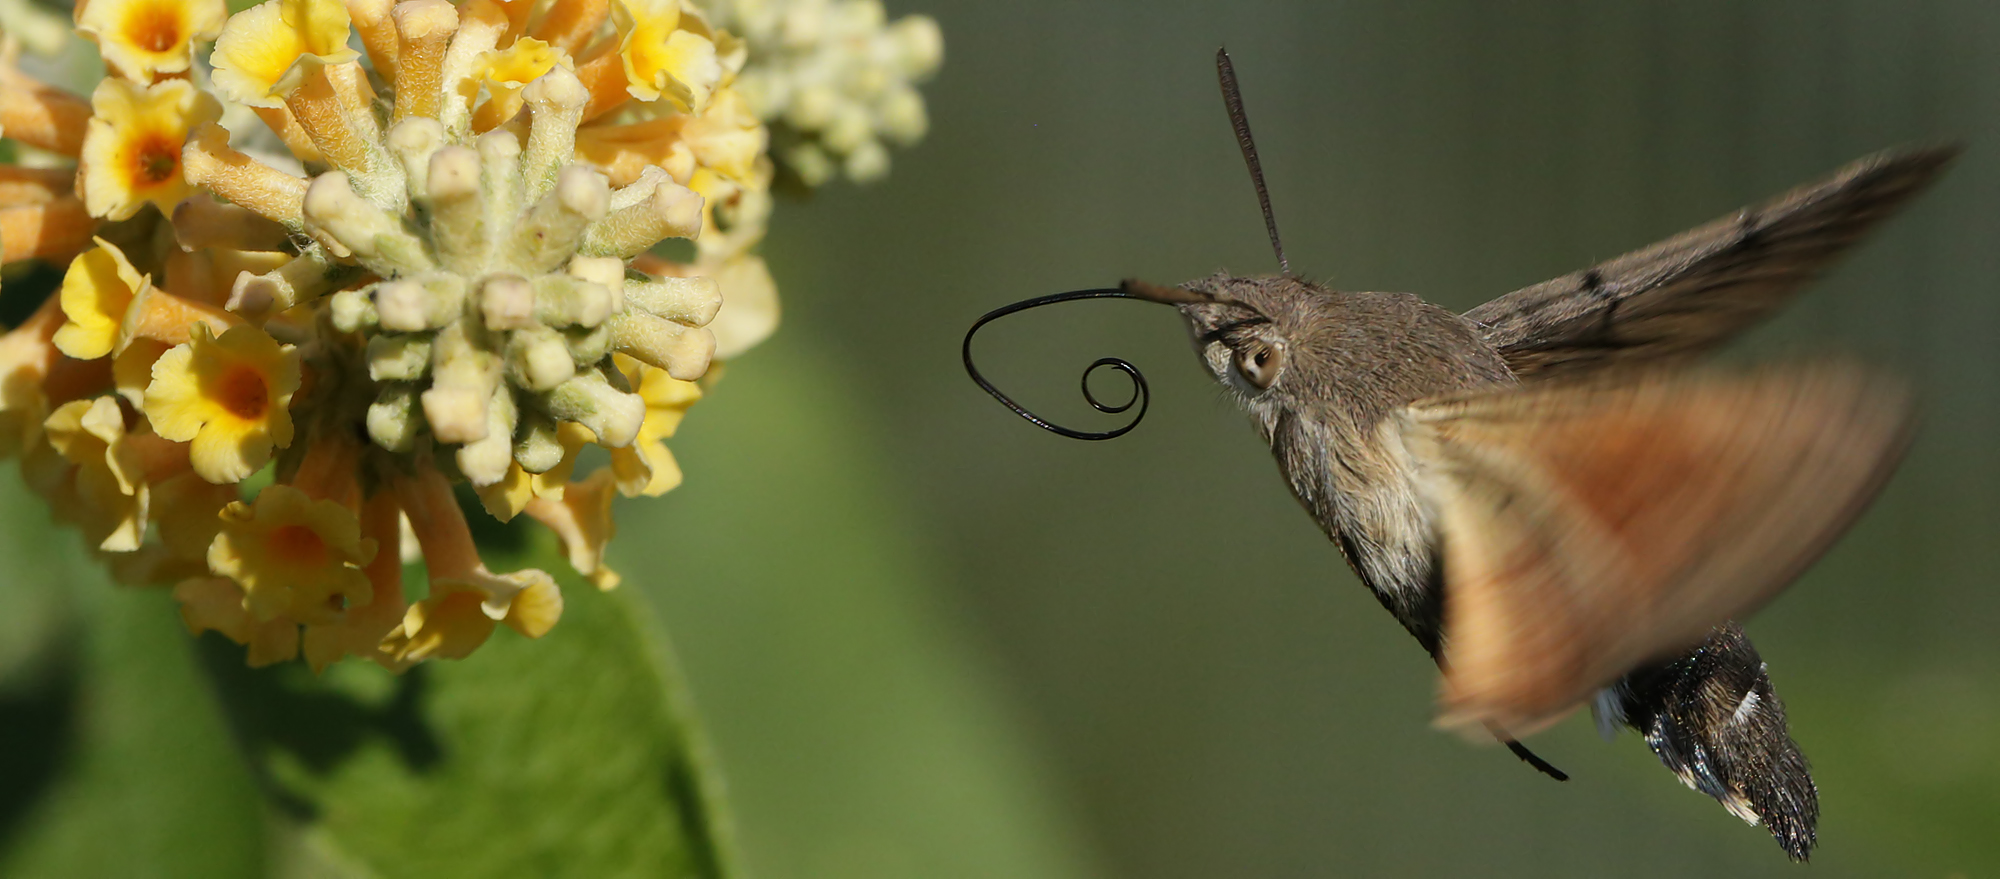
<point>111,498</point>
<point>750,308</point>
<point>510,70</point>
<point>227,394</point>
<point>524,62</point>
<point>96,291</point>
<point>727,137</point>
<point>460,614</point>
<point>141,39</point>
<point>466,598</point>
<point>293,556</point>
<point>363,630</point>
<point>27,354</point>
<point>214,603</point>
<point>582,520</point>
<point>256,55</point>
<point>132,147</point>
<point>647,467</point>
<point>661,59</point>
<point>187,509</point>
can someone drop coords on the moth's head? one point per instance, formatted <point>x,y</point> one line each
<point>1245,330</point>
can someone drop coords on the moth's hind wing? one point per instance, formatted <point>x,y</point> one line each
<point>1700,288</point>
<point>1589,529</point>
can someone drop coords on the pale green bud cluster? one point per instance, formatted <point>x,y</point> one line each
<point>502,286</point>
<point>836,80</point>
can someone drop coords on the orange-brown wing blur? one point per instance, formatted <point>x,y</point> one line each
<point>1587,529</point>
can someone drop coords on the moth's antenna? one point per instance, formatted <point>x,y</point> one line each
<point>1232,98</point>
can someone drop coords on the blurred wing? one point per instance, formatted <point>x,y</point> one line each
<point>1589,529</point>
<point>1702,287</point>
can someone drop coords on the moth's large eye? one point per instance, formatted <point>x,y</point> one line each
<point>1260,364</point>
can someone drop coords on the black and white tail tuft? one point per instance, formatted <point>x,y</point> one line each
<point>1713,719</point>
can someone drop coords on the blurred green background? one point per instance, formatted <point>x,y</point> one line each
<point>931,641</point>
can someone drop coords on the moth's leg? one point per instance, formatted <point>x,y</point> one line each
<point>1712,717</point>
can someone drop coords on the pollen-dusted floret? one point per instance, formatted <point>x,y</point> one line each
<point>264,370</point>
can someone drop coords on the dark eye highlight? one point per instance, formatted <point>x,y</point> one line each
<point>1260,364</point>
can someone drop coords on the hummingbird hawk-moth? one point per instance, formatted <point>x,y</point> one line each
<point>1548,493</point>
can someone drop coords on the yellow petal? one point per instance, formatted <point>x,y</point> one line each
<point>259,47</point>
<point>141,39</point>
<point>582,520</point>
<point>96,290</point>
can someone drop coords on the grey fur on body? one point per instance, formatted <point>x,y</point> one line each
<point>1353,360</point>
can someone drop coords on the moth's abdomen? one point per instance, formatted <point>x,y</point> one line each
<point>1713,719</point>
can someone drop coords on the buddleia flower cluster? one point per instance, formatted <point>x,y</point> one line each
<point>331,266</point>
<point>837,81</point>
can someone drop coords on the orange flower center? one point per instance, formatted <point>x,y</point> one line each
<point>156,160</point>
<point>299,545</point>
<point>244,394</point>
<point>155,27</point>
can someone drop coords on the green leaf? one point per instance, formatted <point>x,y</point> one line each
<point>865,734</point>
<point>115,760</point>
<point>574,755</point>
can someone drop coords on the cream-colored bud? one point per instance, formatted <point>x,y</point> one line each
<point>858,17</point>
<point>458,215</point>
<point>672,211</point>
<point>813,106</point>
<point>457,414</point>
<point>548,235</point>
<point>640,189</point>
<point>556,100</point>
<point>414,140</point>
<point>588,345</point>
<point>463,377</point>
<point>334,211</point>
<point>500,178</point>
<point>605,270</point>
<point>538,359</point>
<point>480,27</point>
<point>393,421</point>
<point>811,163</point>
<point>400,357</point>
<point>683,351</point>
<point>302,280</point>
<point>902,115</point>
<point>589,400</point>
<point>866,163</point>
<point>424,302</point>
<point>537,447</point>
<point>353,310</point>
<point>451,173</point>
<point>565,301</point>
<point>848,130</point>
<point>485,461</point>
<point>400,305</point>
<point>920,43</point>
<point>692,301</point>
<point>507,302</point>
